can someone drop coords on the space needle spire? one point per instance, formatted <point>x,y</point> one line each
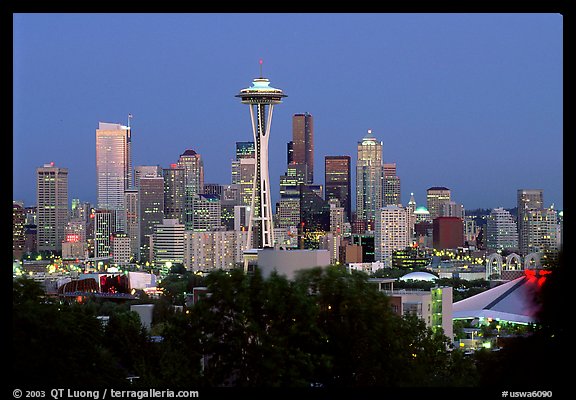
<point>261,98</point>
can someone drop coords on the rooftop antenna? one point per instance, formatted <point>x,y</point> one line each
<point>260,68</point>
<point>129,118</point>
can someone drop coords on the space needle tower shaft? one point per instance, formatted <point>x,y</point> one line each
<point>261,98</point>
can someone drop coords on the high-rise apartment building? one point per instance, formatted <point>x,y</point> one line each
<point>501,230</point>
<point>390,186</point>
<point>338,184</point>
<point>369,172</point>
<point>539,231</point>
<point>303,143</point>
<point>121,252</point>
<point>52,206</point>
<point>390,233</point>
<point>113,168</point>
<point>436,197</point>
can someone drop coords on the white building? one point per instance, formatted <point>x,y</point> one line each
<point>336,217</point>
<point>501,230</point>
<point>168,242</point>
<point>391,233</point>
<point>121,249</point>
<point>205,251</point>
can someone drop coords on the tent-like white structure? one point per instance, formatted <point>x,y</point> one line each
<point>513,301</point>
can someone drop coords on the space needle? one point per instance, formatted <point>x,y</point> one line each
<point>261,98</point>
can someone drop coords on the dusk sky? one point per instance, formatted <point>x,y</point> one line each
<point>472,102</point>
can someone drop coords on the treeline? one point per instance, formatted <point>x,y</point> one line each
<point>326,328</point>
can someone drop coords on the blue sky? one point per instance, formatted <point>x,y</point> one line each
<point>472,102</point>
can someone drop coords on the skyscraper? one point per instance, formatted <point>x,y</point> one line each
<point>18,236</point>
<point>151,199</point>
<point>104,222</point>
<point>132,201</point>
<point>52,206</point>
<point>243,170</point>
<point>174,193</point>
<point>527,199</point>
<point>390,186</point>
<point>369,179</point>
<point>338,183</point>
<point>113,168</point>
<point>261,98</point>
<point>436,197</point>
<point>303,144</point>
<point>193,181</point>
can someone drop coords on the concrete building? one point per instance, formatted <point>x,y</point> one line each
<point>146,171</point>
<point>287,262</point>
<point>132,209</point>
<point>121,252</point>
<point>527,199</point>
<point>169,242</point>
<point>540,231</point>
<point>447,233</point>
<point>207,212</point>
<point>391,195</point>
<point>51,206</point>
<point>104,227</point>
<point>337,217</point>
<point>209,250</point>
<point>390,233</point>
<point>436,197</point>
<point>501,230</point>
<point>174,193</point>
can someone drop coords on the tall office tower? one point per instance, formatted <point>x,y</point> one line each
<point>18,237</point>
<point>303,143</point>
<point>336,217</point>
<point>390,233</point>
<point>207,212</point>
<point>193,181</point>
<point>501,230</point>
<point>288,211</point>
<point>338,183</point>
<point>150,171</point>
<point>411,209</point>
<point>104,227</point>
<point>113,168</point>
<point>229,199</point>
<point>131,200</point>
<point>121,252</point>
<point>314,216</point>
<point>436,196</point>
<point>151,199</point>
<point>261,98</point>
<point>169,242</point>
<point>290,152</point>
<point>369,180</point>
<point>527,199</point>
<point>52,206</point>
<point>539,229</point>
<point>390,186</point>
<point>174,193</point>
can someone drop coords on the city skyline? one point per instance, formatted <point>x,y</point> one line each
<point>458,100</point>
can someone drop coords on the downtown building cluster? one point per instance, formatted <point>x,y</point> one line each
<point>154,215</point>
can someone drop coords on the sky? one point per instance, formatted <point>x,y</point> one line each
<point>472,102</point>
